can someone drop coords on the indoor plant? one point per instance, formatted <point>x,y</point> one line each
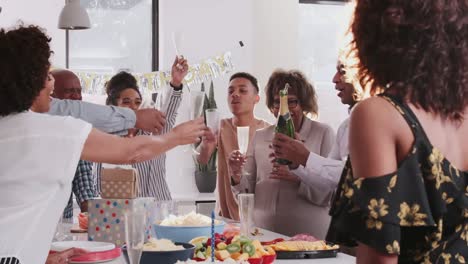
<point>205,174</point>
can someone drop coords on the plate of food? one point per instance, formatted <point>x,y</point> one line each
<point>304,249</point>
<point>236,248</point>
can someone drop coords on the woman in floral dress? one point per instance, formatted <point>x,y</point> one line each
<point>403,195</point>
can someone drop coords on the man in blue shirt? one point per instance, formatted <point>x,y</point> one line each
<point>67,86</point>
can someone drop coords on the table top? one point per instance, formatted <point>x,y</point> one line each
<point>194,197</point>
<point>264,235</point>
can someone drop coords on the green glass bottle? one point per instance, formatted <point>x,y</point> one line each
<point>284,124</point>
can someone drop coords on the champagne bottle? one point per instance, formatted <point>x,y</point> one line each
<point>284,124</point>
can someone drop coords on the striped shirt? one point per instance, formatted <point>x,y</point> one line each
<point>152,173</point>
<point>11,260</point>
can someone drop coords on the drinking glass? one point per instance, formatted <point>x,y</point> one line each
<point>62,230</point>
<point>212,119</point>
<point>243,139</point>
<point>135,223</point>
<point>196,103</point>
<point>159,211</point>
<point>164,209</point>
<point>196,107</point>
<point>177,41</point>
<point>246,208</point>
<point>243,142</point>
<point>160,103</point>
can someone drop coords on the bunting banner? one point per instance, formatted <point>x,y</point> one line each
<point>208,69</point>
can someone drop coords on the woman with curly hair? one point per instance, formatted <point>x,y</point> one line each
<point>33,189</point>
<point>403,195</point>
<point>282,200</point>
<point>122,90</point>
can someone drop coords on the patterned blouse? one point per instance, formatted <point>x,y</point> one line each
<point>419,212</point>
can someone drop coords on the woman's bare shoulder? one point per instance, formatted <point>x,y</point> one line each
<point>375,111</point>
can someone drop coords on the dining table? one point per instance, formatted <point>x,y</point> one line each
<point>262,235</point>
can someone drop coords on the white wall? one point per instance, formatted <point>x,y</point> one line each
<point>209,27</point>
<point>276,34</point>
<point>268,29</point>
<point>43,13</point>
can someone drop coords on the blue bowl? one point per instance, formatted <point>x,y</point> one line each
<point>151,257</point>
<point>185,233</point>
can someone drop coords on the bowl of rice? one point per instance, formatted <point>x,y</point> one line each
<point>184,228</point>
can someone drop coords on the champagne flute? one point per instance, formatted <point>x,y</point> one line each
<point>135,223</point>
<point>196,104</point>
<point>160,103</point>
<point>212,119</point>
<point>243,138</point>
<point>177,40</point>
<point>243,142</point>
<point>246,208</point>
<point>197,99</point>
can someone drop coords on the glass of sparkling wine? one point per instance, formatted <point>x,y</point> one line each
<point>243,142</point>
<point>196,103</point>
<point>135,223</point>
<point>243,139</point>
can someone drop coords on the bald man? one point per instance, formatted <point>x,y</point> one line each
<point>110,119</point>
<point>67,86</point>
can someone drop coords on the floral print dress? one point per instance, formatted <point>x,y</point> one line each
<point>419,212</point>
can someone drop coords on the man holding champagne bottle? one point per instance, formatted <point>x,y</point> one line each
<point>323,173</point>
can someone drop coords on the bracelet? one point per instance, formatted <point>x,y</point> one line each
<point>177,88</point>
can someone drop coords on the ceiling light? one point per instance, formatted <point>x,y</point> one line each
<point>73,16</point>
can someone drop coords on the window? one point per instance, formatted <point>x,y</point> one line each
<point>123,36</point>
<point>321,27</point>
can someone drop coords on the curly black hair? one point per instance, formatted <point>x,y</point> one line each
<point>24,64</point>
<point>299,85</point>
<point>418,48</point>
<point>119,82</point>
